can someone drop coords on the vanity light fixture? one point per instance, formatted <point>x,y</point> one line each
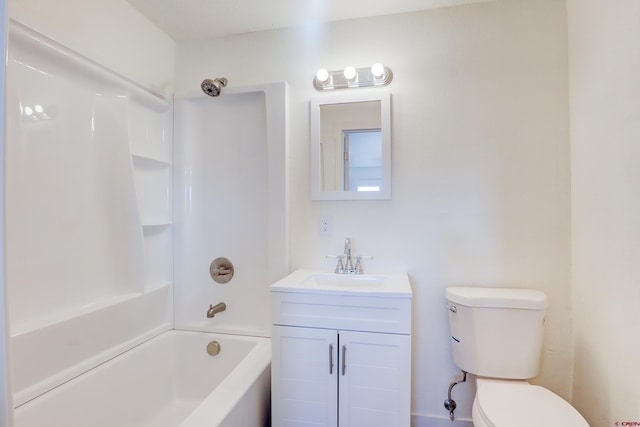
<point>350,77</point>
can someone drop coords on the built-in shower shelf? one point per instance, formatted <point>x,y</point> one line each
<point>151,225</point>
<point>150,142</point>
<point>144,161</point>
<point>153,189</point>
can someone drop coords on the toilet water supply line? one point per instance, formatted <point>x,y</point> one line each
<point>450,404</point>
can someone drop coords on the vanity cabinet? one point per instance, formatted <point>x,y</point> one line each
<point>341,378</point>
<point>340,359</point>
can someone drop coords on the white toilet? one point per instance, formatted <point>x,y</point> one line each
<point>496,334</point>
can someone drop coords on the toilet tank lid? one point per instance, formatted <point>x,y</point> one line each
<point>529,299</point>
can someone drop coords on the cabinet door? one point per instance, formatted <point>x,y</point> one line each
<point>374,379</point>
<point>304,377</point>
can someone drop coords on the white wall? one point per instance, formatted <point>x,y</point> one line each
<point>604,46</point>
<point>480,160</point>
<point>6,415</point>
<point>110,32</point>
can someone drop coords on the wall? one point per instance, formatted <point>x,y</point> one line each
<point>6,415</point>
<point>109,32</point>
<point>604,46</point>
<point>480,148</point>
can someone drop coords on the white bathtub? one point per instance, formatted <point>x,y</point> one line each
<point>168,381</point>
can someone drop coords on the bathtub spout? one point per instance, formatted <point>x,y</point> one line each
<point>214,309</point>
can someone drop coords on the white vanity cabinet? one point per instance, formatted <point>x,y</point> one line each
<point>340,358</point>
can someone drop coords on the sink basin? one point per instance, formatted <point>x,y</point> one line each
<point>394,285</point>
<point>344,281</point>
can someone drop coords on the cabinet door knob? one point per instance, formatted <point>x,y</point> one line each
<point>344,359</point>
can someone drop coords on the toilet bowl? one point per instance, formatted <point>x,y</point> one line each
<point>518,403</point>
<point>497,335</point>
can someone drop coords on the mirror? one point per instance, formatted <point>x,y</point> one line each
<point>351,146</point>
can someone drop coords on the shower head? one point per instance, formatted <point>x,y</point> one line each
<point>213,87</point>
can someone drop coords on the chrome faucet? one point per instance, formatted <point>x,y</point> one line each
<point>345,262</point>
<point>214,309</point>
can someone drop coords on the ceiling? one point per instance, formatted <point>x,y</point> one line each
<point>186,20</point>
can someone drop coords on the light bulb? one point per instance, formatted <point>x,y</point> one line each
<point>377,70</point>
<point>350,73</point>
<point>28,110</point>
<point>39,108</point>
<point>322,75</point>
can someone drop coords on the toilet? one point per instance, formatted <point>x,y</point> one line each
<point>496,335</point>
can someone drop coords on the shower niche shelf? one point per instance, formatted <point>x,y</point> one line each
<point>150,133</point>
<point>150,162</point>
<point>151,154</point>
<point>153,191</point>
<point>153,183</point>
<point>150,226</point>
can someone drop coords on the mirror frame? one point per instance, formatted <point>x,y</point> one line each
<point>349,98</point>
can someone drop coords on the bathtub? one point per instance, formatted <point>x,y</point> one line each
<point>168,381</point>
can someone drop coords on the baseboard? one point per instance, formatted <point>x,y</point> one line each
<point>422,420</point>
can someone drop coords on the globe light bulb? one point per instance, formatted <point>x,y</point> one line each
<point>349,73</point>
<point>322,75</point>
<point>377,70</point>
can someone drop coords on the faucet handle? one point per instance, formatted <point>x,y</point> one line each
<point>340,265</point>
<point>358,267</point>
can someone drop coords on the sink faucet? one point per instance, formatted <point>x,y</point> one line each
<point>345,262</point>
<point>347,251</point>
<point>214,309</point>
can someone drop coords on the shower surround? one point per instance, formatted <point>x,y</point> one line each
<point>88,241</point>
<point>90,213</point>
<point>230,198</point>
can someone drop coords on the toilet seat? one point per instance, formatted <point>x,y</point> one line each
<point>523,405</point>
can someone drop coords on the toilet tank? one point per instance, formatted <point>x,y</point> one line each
<point>497,332</point>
